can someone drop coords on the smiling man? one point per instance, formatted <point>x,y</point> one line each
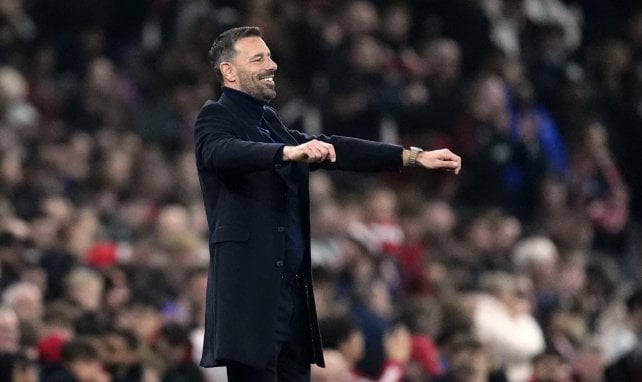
<point>260,315</point>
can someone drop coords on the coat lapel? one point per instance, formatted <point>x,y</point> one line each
<point>278,128</point>
<point>251,132</point>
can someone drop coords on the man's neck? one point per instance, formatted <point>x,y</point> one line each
<point>253,107</point>
<point>241,93</point>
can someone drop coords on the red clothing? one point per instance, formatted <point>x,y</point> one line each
<point>426,353</point>
<point>411,261</point>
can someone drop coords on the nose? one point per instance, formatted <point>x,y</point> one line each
<point>272,65</point>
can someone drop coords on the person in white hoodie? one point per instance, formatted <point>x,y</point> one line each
<point>503,321</point>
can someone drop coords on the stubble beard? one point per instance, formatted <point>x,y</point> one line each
<point>254,87</point>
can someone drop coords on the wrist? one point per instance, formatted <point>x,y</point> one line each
<point>287,151</point>
<point>405,154</point>
<point>409,156</point>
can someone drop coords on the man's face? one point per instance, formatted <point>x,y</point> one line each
<point>119,353</point>
<point>252,69</point>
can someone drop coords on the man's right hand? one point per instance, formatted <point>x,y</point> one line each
<point>313,151</point>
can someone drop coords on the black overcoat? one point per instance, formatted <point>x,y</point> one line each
<point>244,192</point>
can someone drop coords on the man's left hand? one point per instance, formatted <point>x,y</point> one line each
<point>440,159</point>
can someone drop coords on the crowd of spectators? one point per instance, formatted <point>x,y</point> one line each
<point>526,267</point>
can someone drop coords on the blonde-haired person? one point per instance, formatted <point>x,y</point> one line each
<point>84,287</point>
<point>26,299</point>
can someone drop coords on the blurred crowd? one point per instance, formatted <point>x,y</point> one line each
<point>525,267</point>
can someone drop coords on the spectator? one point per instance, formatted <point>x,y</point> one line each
<point>174,346</point>
<point>11,263</point>
<point>482,135</point>
<point>80,363</point>
<point>26,300</point>
<point>441,59</point>
<point>342,333</point>
<point>10,333</point>
<point>16,112</point>
<point>84,288</point>
<point>503,321</point>
<point>550,367</point>
<point>589,364</point>
<point>469,360</point>
<point>597,185</point>
<point>539,148</point>
<point>380,230</point>
<point>18,368</point>
<point>123,360</point>
<point>142,316</point>
<point>423,318</point>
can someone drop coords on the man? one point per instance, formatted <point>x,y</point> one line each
<point>174,346</point>
<point>80,362</point>
<point>123,358</point>
<point>341,332</point>
<point>260,316</point>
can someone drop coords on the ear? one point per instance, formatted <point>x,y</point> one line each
<point>228,71</point>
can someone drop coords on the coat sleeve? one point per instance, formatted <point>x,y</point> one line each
<point>354,154</point>
<point>219,144</point>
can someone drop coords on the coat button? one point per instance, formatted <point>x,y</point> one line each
<point>279,263</point>
<point>280,229</point>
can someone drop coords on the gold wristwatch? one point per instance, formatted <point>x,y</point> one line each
<point>412,157</point>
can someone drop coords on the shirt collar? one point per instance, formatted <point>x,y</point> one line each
<point>252,106</point>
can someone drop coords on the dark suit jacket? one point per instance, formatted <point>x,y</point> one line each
<point>244,191</point>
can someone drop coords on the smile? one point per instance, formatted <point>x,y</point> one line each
<point>268,79</point>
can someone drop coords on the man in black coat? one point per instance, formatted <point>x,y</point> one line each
<point>260,317</point>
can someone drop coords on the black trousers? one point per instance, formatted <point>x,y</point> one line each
<point>292,351</point>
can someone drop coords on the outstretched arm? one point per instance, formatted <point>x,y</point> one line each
<point>353,154</point>
<point>323,152</point>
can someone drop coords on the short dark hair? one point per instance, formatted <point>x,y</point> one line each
<point>175,334</point>
<point>78,349</point>
<point>223,47</point>
<point>127,335</point>
<point>337,329</point>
